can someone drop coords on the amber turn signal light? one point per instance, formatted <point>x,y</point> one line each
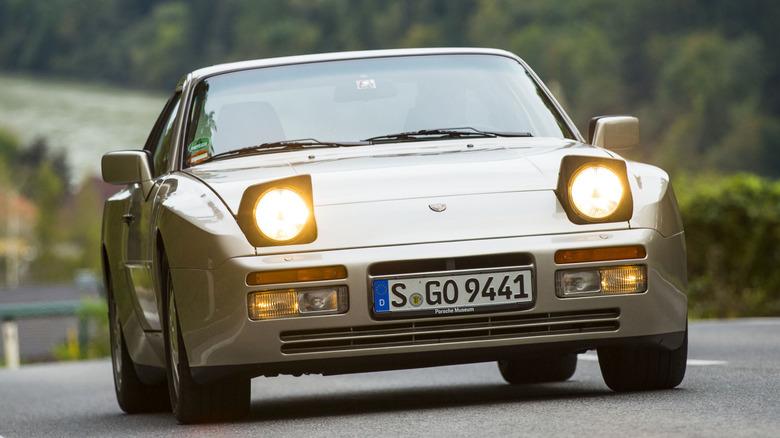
<point>297,275</point>
<point>600,254</point>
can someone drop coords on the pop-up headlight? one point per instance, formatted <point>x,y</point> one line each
<point>593,189</point>
<point>278,212</point>
<point>281,214</point>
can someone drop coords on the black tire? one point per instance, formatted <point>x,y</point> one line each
<point>538,369</point>
<point>643,368</point>
<point>192,402</point>
<point>132,394</point>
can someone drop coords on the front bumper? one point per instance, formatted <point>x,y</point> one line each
<point>219,335</point>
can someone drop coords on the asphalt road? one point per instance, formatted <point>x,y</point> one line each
<point>731,389</point>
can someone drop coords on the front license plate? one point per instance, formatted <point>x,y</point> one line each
<point>450,294</point>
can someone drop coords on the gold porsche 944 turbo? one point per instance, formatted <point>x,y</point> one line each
<point>367,211</point>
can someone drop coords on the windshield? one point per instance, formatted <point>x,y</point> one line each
<point>354,100</point>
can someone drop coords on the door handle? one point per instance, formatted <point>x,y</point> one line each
<point>127,218</point>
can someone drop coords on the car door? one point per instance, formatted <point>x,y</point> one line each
<point>139,236</point>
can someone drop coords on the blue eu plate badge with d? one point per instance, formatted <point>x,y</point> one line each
<point>381,296</point>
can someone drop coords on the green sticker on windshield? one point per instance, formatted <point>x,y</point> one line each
<point>200,144</point>
<point>200,149</point>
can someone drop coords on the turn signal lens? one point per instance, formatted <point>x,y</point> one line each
<point>297,275</point>
<point>601,281</point>
<point>600,254</point>
<point>595,191</point>
<point>281,214</point>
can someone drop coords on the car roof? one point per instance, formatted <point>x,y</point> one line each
<point>337,56</point>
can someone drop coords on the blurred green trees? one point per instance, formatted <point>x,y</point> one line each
<point>48,230</point>
<point>732,230</point>
<point>700,74</point>
<point>91,339</point>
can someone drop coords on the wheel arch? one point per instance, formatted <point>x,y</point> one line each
<point>161,265</point>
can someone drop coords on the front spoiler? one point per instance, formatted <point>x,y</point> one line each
<point>390,362</point>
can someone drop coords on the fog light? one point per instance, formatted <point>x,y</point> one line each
<point>269,305</point>
<point>297,302</point>
<point>318,301</point>
<point>579,282</point>
<point>601,281</point>
<point>623,280</point>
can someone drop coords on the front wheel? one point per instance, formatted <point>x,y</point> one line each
<point>538,368</point>
<point>192,402</point>
<point>133,395</point>
<point>641,368</point>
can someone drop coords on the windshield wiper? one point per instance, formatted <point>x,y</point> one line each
<point>303,143</point>
<point>428,134</point>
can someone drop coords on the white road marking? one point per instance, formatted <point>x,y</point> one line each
<point>590,357</point>
<point>705,363</point>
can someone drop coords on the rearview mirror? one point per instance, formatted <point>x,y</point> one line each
<point>614,132</point>
<point>127,167</point>
<point>365,90</point>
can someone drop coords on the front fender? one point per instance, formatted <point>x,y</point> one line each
<point>655,205</point>
<point>197,229</point>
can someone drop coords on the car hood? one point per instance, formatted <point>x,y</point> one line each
<point>434,169</point>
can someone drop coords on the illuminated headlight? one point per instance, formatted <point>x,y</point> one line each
<point>596,191</point>
<point>278,212</point>
<point>281,214</point>
<point>601,281</point>
<point>297,302</point>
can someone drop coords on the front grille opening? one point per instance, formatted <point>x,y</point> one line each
<point>450,331</point>
<point>449,264</point>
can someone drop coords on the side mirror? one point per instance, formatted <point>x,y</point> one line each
<point>128,167</point>
<point>614,132</point>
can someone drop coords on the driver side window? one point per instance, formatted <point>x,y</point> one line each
<point>159,142</point>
